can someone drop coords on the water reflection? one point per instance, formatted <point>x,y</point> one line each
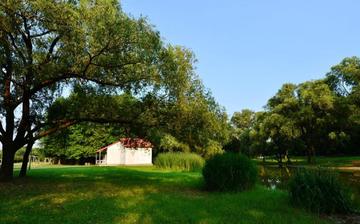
<point>275,177</point>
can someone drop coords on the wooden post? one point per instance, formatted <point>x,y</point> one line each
<point>95,158</point>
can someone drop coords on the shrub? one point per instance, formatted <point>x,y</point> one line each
<point>229,172</point>
<point>319,191</point>
<point>179,161</point>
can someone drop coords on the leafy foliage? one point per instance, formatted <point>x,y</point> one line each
<point>300,112</point>
<point>179,161</point>
<point>80,141</point>
<point>229,172</point>
<point>241,123</point>
<point>189,112</point>
<point>183,116</point>
<point>319,191</point>
<point>171,144</point>
<point>212,148</point>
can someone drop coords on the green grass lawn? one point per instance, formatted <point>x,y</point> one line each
<point>326,161</point>
<point>137,195</point>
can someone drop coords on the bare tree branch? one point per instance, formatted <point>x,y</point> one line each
<point>66,76</point>
<point>51,50</point>
<point>41,34</point>
<point>108,66</point>
<point>13,43</point>
<point>54,129</point>
<point>2,130</point>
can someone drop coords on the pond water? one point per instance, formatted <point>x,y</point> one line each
<point>274,177</point>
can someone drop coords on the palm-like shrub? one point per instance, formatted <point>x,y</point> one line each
<point>319,191</point>
<point>229,172</point>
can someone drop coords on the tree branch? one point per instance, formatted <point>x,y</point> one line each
<point>117,65</point>
<point>12,38</point>
<point>65,76</point>
<point>41,34</point>
<point>54,129</point>
<point>2,130</point>
<point>24,122</point>
<point>50,82</point>
<point>8,104</point>
<point>51,50</point>
<point>63,124</point>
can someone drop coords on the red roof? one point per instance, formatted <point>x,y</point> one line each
<point>130,143</point>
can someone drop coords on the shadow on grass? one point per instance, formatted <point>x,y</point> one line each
<point>136,195</point>
<point>116,175</point>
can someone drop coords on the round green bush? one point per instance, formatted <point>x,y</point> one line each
<point>319,191</point>
<point>229,172</point>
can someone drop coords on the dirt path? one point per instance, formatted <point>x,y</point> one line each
<point>347,168</point>
<point>346,219</point>
<point>341,168</point>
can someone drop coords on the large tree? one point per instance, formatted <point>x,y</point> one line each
<point>280,123</point>
<point>344,80</point>
<point>242,124</point>
<point>48,45</point>
<point>178,115</point>
<point>300,112</point>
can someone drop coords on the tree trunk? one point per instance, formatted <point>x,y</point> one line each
<point>7,165</point>
<point>311,155</point>
<point>279,160</point>
<point>25,160</point>
<point>288,160</point>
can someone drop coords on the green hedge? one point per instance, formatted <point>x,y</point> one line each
<point>179,161</point>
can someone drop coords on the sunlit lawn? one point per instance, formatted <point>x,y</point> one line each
<point>136,195</point>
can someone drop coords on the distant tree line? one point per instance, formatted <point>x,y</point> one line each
<point>319,117</point>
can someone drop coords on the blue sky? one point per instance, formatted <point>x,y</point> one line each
<point>246,49</point>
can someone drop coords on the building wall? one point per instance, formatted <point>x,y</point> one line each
<point>122,154</point>
<point>113,156</point>
<point>118,155</point>
<point>139,156</point>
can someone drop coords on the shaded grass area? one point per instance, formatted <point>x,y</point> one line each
<point>341,161</point>
<point>137,195</point>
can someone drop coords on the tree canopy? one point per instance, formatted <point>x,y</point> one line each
<point>47,47</point>
<point>181,116</point>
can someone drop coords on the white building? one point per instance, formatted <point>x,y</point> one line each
<point>127,151</point>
